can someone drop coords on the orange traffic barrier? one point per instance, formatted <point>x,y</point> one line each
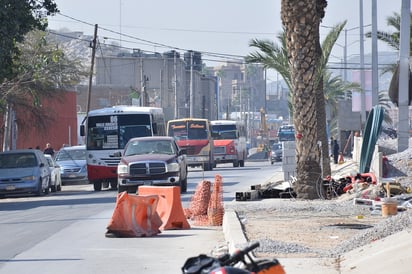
<point>169,206</point>
<point>134,216</point>
<point>215,209</point>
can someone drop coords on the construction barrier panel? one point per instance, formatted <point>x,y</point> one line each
<point>169,206</point>
<point>215,210</point>
<point>135,216</point>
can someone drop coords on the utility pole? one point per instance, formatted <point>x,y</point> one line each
<point>93,45</point>
<point>375,77</point>
<point>175,82</point>
<point>191,103</point>
<point>403,114</point>
<point>362,66</point>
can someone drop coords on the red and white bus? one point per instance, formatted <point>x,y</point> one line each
<point>107,131</point>
<point>193,134</point>
<point>229,141</point>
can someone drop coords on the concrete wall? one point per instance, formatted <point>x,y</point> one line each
<point>376,163</point>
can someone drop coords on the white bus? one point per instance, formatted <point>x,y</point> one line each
<point>107,131</point>
<point>229,141</point>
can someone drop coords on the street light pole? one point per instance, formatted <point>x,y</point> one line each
<point>362,65</point>
<point>375,80</point>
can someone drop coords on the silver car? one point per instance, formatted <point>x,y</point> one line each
<point>55,174</point>
<point>73,166</point>
<point>24,171</point>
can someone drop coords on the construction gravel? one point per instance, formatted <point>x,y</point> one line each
<point>277,223</point>
<point>287,237</point>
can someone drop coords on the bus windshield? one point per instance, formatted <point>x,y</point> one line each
<point>188,130</point>
<point>221,132</point>
<point>113,131</point>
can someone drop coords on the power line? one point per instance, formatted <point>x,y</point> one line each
<point>151,43</point>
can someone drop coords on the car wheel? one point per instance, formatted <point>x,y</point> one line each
<point>47,189</point>
<point>97,185</point>
<point>39,191</point>
<point>120,188</point>
<point>53,188</point>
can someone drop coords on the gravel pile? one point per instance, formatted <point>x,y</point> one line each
<point>401,168</point>
<point>322,208</point>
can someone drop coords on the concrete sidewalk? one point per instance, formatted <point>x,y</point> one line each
<point>392,254</point>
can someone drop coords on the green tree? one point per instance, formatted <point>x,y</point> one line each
<point>43,71</point>
<point>18,17</point>
<point>392,39</point>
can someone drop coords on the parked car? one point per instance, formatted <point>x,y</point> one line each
<point>156,160</point>
<point>73,165</point>
<point>24,171</point>
<point>55,176</point>
<point>276,153</point>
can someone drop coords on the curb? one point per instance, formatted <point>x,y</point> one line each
<point>232,230</point>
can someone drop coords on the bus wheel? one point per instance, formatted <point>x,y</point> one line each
<point>113,185</point>
<point>235,163</point>
<point>242,163</point>
<point>97,185</point>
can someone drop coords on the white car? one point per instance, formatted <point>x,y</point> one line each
<point>55,174</point>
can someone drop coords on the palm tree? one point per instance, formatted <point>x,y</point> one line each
<point>301,20</point>
<point>392,39</point>
<point>275,57</point>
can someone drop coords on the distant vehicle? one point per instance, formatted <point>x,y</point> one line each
<point>286,133</point>
<point>55,176</point>
<point>24,171</point>
<point>229,142</point>
<point>73,166</point>
<point>155,161</point>
<point>276,153</point>
<point>107,131</point>
<point>194,135</point>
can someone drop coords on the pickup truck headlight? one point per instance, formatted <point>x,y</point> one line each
<point>173,167</point>
<point>121,169</point>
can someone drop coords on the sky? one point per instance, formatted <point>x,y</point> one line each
<point>211,27</point>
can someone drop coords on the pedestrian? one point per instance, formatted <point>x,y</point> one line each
<point>335,151</point>
<point>49,150</point>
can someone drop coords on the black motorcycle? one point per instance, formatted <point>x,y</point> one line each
<point>241,262</point>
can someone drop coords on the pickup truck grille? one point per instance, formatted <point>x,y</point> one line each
<point>147,168</point>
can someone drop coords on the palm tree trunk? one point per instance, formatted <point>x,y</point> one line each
<point>301,20</point>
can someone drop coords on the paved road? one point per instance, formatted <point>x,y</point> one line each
<point>64,232</point>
